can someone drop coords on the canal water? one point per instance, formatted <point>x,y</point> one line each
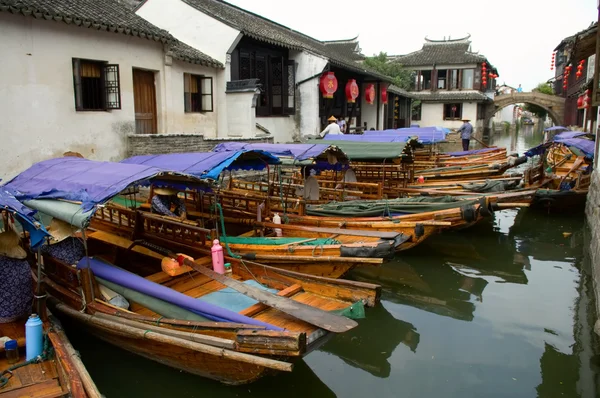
<point>503,309</point>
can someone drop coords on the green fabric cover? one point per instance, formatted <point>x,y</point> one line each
<point>161,307</point>
<point>126,202</point>
<point>242,240</point>
<point>369,151</point>
<point>373,208</point>
<point>65,211</point>
<point>355,311</point>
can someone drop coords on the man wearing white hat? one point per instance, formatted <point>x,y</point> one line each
<point>16,283</point>
<point>332,128</point>
<point>164,199</point>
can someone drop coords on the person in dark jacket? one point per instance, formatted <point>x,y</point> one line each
<point>63,246</point>
<point>163,201</point>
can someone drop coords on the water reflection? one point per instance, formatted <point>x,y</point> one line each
<point>373,342</point>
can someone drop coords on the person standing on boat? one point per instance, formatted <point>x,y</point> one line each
<point>16,283</point>
<point>332,128</point>
<point>63,245</point>
<point>465,133</point>
<point>163,201</point>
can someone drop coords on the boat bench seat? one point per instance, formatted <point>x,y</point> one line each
<point>123,243</point>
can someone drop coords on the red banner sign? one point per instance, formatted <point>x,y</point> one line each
<point>352,91</point>
<point>328,84</point>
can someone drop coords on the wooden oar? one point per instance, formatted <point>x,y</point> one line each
<point>576,165</point>
<point>314,316</point>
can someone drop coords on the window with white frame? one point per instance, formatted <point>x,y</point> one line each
<point>198,93</point>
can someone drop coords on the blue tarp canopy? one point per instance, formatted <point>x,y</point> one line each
<point>76,179</point>
<point>568,134</point>
<point>425,135</point>
<point>299,152</point>
<point>556,128</point>
<point>206,165</point>
<point>25,216</point>
<point>586,146</point>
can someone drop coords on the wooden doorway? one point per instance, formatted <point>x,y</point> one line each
<point>144,99</point>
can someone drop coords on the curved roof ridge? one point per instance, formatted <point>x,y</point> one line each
<point>444,40</point>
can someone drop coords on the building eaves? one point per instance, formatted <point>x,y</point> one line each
<point>400,91</point>
<point>444,96</point>
<point>105,15</point>
<point>440,53</point>
<point>183,52</point>
<point>265,30</point>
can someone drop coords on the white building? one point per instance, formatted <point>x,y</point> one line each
<point>87,79</point>
<point>449,83</point>
<point>506,114</point>
<point>271,77</point>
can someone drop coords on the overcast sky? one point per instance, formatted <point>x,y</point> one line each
<point>517,36</point>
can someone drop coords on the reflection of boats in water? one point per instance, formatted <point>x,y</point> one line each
<point>441,290</point>
<point>369,346</point>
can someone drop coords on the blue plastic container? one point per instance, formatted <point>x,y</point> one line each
<point>33,337</point>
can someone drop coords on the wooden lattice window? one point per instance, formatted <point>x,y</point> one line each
<point>97,85</point>
<point>198,93</point>
<point>453,111</point>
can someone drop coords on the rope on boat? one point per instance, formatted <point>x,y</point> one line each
<point>6,375</point>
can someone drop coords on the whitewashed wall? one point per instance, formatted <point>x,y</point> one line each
<point>191,26</point>
<point>368,113</point>
<point>39,120</point>
<point>432,114</point>
<point>307,94</point>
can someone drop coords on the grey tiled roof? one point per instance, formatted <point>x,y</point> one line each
<point>183,52</point>
<point>105,15</point>
<point>346,48</point>
<point>263,29</point>
<point>397,90</point>
<point>439,96</point>
<point>441,52</point>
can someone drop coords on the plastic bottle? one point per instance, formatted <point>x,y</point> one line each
<point>33,337</point>
<point>12,351</point>
<point>228,270</point>
<point>218,259</point>
<point>277,220</point>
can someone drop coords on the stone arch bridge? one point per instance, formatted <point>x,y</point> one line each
<point>554,104</point>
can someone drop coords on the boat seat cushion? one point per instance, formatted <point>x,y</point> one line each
<point>232,299</point>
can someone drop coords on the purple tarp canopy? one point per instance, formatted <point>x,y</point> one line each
<point>556,128</point>
<point>425,135</point>
<point>297,151</point>
<point>77,179</point>
<point>142,285</point>
<point>471,152</point>
<point>587,146</point>
<point>365,138</point>
<point>206,165</point>
<point>567,135</point>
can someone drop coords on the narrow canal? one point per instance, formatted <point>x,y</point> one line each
<point>499,310</point>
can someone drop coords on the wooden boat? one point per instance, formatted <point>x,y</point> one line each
<point>324,252</point>
<point>562,178</point>
<point>233,329</point>
<point>58,375</point>
<point>58,371</point>
<point>232,353</point>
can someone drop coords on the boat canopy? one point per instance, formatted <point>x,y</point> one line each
<point>425,135</point>
<point>587,146</point>
<point>556,128</point>
<point>76,179</point>
<point>374,151</point>
<point>206,165</point>
<point>568,134</point>
<point>25,216</point>
<point>298,154</point>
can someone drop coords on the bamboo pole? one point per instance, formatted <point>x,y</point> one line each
<point>176,341</point>
<point>198,338</point>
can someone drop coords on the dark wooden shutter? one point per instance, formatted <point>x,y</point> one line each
<point>77,84</point>
<point>290,98</point>
<point>263,108</point>
<point>144,99</point>
<point>112,86</point>
<point>477,80</point>
<point>434,74</point>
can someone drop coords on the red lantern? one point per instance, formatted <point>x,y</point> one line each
<point>580,102</point>
<point>351,91</point>
<point>370,94</point>
<point>384,95</point>
<point>328,84</point>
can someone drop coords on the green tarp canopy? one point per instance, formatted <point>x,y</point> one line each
<point>371,151</point>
